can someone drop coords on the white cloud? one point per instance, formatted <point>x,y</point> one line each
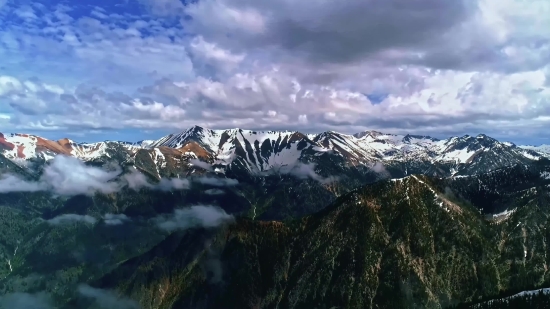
<point>201,164</point>
<point>305,171</point>
<point>11,183</point>
<point>441,68</point>
<point>167,184</point>
<point>214,192</point>
<point>70,176</point>
<point>217,182</point>
<point>115,219</point>
<point>203,216</point>
<point>136,180</point>
<point>72,218</point>
<point>65,176</point>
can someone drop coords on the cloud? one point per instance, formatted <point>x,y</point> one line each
<point>201,164</point>
<point>304,171</point>
<point>106,299</point>
<point>214,192</point>
<point>65,175</point>
<point>217,182</point>
<point>423,67</point>
<point>204,216</point>
<point>26,301</point>
<point>115,219</point>
<point>380,169</point>
<point>331,32</point>
<point>72,218</point>
<point>167,184</point>
<point>11,183</point>
<point>70,176</point>
<point>136,180</point>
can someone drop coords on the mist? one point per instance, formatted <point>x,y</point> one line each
<point>26,301</point>
<point>195,216</point>
<point>107,299</point>
<point>115,219</point>
<point>72,218</point>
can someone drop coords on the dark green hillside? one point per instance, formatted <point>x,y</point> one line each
<point>393,244</point>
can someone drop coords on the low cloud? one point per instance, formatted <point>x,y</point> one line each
<point>380,169</point>
<point>201,164</point>
<point>217,182</point>
<point>214,192</point>
<point>72,218</point>
<point>115,219</point>
<point>70,176</point>
<point>107,299</point>
<point>26,301</point>
<point>205,216</point>
<point>136,180</point>
<point>65,176</point>
<point>305,171</point>
<point>11,183</point>
<point>167,184</point>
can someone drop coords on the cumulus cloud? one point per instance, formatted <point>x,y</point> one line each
<point>217,182</point>
<point>72,218</point>
<point>115,219</point>
<point>26,301</point>
<point>106,299</point>
<point>429,67</point>
<point>204,216</point>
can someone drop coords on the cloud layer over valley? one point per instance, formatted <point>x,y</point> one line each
<point>69,176</point>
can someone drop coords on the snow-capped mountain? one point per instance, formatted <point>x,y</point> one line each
<point>265,151</point>
<point>542,149</point>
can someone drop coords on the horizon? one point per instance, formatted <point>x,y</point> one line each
<point>153,135</point>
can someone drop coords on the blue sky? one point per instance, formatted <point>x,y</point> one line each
<point>139,69</point>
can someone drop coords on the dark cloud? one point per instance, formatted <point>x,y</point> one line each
<point>336,32</point>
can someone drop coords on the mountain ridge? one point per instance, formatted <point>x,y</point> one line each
<point>263,151</point>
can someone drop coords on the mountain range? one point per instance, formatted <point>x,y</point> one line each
<point>247,219</point>
<point>259,152</point>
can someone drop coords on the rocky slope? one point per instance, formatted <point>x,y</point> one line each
<point>416,242</point>
<point>485,205</point>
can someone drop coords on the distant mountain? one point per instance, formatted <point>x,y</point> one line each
<point>257,152</point>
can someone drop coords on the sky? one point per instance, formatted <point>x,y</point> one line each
<point>139,69</point>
